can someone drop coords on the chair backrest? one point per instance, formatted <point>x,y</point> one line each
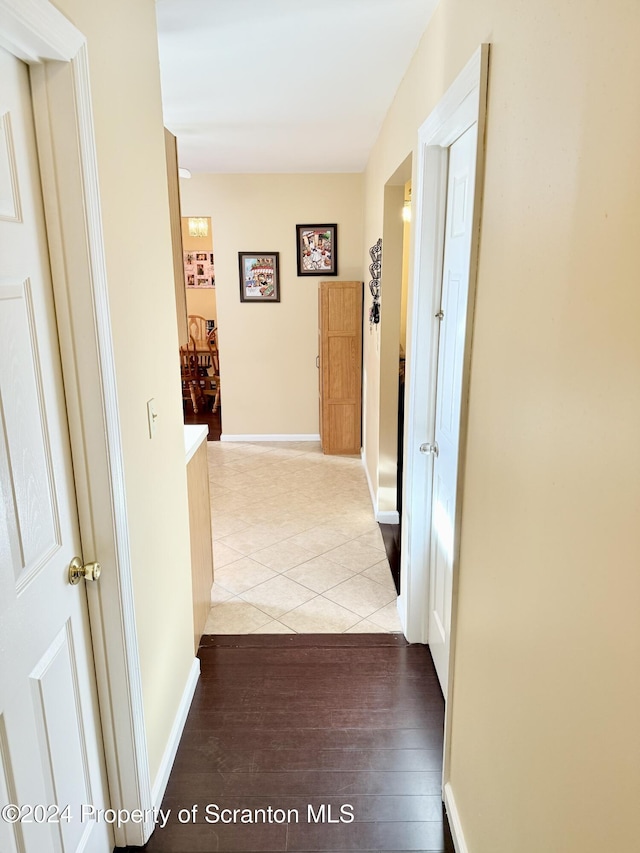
<point>189,360</point>
<point>212,343</point>
<point>197,327</point>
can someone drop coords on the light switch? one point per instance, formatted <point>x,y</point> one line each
<point>153,417</point>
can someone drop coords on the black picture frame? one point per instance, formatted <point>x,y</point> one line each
<point>317,249</point>
<point>259,276</point>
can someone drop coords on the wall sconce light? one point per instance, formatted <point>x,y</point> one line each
<point>406,211</point>
<point>198,226</point>
<point>183,173</point>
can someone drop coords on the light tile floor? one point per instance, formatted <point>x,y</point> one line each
<point>296,545</point>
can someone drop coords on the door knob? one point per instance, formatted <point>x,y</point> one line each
<point>429,449</point>
<point>78,570</point>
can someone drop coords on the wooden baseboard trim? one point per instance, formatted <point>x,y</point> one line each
<point>454,820</point>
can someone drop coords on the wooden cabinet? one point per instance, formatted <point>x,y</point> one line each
<point>340,350</point>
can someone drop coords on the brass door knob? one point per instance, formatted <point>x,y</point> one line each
<point>78,570</point>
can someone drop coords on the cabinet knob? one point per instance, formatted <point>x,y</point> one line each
<point>429,449</point>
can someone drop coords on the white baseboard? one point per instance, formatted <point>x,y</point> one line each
<point>277,437</point>
<point>162,777</point>
<point>454,820</point>
<point>382,516</point>
<point>389,516</point>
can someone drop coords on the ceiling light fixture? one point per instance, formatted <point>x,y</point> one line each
<point>183,173</point>
<point>198,226</point>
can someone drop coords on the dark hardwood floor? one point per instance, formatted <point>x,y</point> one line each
<point>213,421</point>
<point>321,727</point>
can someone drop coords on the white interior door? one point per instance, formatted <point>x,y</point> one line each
<point>50,742</point>
<point>451,344</point>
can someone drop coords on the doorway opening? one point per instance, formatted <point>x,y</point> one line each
<point>396,239</point>
<point>447,229</point>
<point>202,323</point>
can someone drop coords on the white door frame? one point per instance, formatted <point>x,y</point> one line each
<point>463,104</point>
<point>36,32</point>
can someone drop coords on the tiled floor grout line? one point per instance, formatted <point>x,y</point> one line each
<point>317,595</point>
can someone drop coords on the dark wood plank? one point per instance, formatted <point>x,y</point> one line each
<point>248,759</point>
<point>313,641</point>
<point>366,809</point>
<point>205,838</point>
<point>343,739</point>
<point>315,783</point>
<point>353,696</point>
<point>370,836</point>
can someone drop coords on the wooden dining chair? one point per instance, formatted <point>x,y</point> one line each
<point>214,370</point>
<point>197,327</point>
<point>191,375</point>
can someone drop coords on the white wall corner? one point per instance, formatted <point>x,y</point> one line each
<point>276,437</point>
<point>374,499</point>
<point>454,820</point>
<point>162,776</point>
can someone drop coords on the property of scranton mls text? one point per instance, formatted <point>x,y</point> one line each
<point>214,813</point>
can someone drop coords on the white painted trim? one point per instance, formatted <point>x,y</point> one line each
<point>463,104</point>
<point>162,776</point>
<point>458,109</point>
<point>390,516</point>
<point>372,493</point>
<point>277,437</point>
<point>38,33</point>
<point>381,516</point>
<point>454,820</point>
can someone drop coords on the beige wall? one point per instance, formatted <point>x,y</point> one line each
<point>202,301</point>
<point>133,187</point>
<point>268,352</point>
<point>545,738</point>
<point>390,304</point>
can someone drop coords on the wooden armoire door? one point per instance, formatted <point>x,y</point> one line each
<point>340,320</point>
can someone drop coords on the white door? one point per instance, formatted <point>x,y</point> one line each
<point>453,327</point>
<point>50,742</point>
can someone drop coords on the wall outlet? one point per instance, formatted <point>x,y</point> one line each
<point>152,415</point>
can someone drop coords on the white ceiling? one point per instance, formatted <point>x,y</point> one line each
<point>283,85</point>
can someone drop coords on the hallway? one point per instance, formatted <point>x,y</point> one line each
<point>296,545</point>
<point>294,722</point>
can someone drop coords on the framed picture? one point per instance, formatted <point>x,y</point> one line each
<point>317,249</point>
<point>259,276</point>
<point>199,269</point>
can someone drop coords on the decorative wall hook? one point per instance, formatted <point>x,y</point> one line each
<point>375,267</point>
